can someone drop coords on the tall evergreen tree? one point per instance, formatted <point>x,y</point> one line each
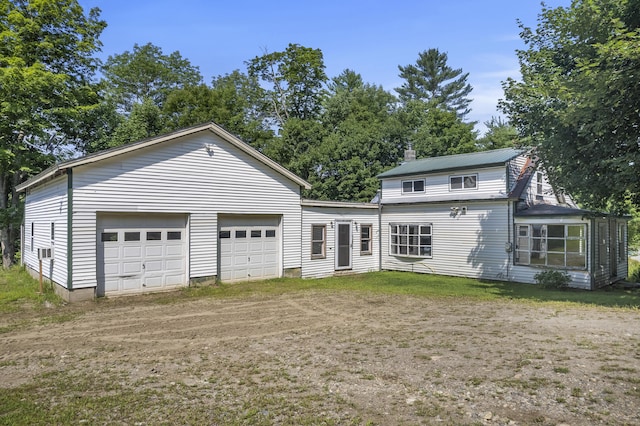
<point>433,81</point>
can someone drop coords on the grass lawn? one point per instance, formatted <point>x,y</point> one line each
<point>18,289</point>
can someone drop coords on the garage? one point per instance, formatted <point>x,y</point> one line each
<point>249,248</point>
<point>139,253</point>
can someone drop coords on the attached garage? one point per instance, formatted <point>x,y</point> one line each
<point>249,247</point>
<point>139,253</point>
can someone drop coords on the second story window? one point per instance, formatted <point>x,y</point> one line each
<point>412,186</point>
<point>463,182</point>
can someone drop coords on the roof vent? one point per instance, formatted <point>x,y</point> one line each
<point>409,154</point>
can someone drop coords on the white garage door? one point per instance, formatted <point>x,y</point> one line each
<point>249,248</point>
<point>141,253</point>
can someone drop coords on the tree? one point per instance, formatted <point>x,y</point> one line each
<point>500,134</point>
<point>46,66</point>
<point>363,138</point>
<point>434,132</point>
<point>579,99</point>
<point>297,80</point>
<point>431,80</point>
<point>146,73</point>
<point>233,101</point>
<point>145,121</point>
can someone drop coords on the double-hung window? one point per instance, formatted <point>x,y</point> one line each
<point>463,182</point>
<point>410,239</point>
<point>413,186</point>
<point>555,246</point>
<point>365,239</point>
<point>318,241</point>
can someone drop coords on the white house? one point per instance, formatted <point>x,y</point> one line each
<point>493,215</point>
<point>200,204</point>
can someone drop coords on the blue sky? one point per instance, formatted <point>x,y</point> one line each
<point>370,37</point>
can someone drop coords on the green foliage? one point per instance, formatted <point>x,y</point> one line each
<point>579,99</point>
<point>500,134</point>
<point>432,80</point>
<point>46,67</point>
<point>146,74</point>
<point>633,228</point>
<point>362,140</point>
<point>436,132</point>
<point>144,122</point>
<point>553,279</point>
<point>634,271</point>
<point>297,80</point>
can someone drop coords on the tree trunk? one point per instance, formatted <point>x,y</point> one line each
<point>5,227</point>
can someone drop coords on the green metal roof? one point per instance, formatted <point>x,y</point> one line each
<point>454,162</point>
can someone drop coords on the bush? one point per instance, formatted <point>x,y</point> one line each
<point>552,279</point>
<point>634,271</point>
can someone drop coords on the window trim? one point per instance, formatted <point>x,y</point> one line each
<point>543,249</point>
<point>323,241</point>
<point>368,240</point>
<point>32,234</point>
<point>622,246</point>
<point>413,186</point>
<point>463,177</point>
<point>398,244</point>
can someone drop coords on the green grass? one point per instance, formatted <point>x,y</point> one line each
<point>18,288</point>
<point>421,285</point>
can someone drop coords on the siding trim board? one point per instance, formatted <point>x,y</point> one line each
<point>70,229</point>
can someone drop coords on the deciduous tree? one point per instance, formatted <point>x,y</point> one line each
<point>47,61</point>
<point>579,98</point>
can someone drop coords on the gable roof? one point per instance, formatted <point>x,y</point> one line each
<point>494,157</point>
<point>60,168</point>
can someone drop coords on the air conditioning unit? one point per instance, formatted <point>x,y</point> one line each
<point>45,253</point>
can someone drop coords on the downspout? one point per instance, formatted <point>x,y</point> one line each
<point>70,229</point>
<point>380,228</point>
<point>510,205</point>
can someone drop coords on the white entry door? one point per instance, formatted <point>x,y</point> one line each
<point>343,245</point>
<point>139,253</point>
<point>249,248</point>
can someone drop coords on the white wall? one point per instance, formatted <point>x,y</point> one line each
<point>45,205</point>
<point>316,268</point>
<point>470,245</point>
<point>491,184</point>
<point>179,176</point>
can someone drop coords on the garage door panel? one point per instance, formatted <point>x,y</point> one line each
<point>249,248</point>
<point>141,252</point>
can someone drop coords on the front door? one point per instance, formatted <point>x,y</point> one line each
<point>343,245</point>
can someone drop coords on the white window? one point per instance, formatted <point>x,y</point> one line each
<point>463,182</point>
<point>410,239</point>
<point>412,186</point>
<point>555,246</point>
<point>365,239</point>
<point>318,241</point>
<point>539,184</point>
<point>622,247</point>
<point>31,238</point>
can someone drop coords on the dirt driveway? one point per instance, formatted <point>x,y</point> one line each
<point>323,358</point>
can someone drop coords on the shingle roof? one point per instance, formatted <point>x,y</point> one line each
<point>552,210</point>
<point>454,162</point>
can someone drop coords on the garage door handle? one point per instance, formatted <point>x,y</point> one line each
<point>126,276</point>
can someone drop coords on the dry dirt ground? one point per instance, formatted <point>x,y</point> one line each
<point>326,358</point>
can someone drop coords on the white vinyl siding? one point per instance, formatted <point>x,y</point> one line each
<point>471,245</point>
<point>491,183</point>
<point>180,176</point>
<point>329,217</point>
<point>46,207</point>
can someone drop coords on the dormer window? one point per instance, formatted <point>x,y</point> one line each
<point>412,186</point>
<point>463,182</point>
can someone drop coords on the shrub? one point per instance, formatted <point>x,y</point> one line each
<point>634,271</point>
<point>552,279</point>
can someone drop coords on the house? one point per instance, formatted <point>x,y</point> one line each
<point>494,215</point>
<point>200,204</point>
